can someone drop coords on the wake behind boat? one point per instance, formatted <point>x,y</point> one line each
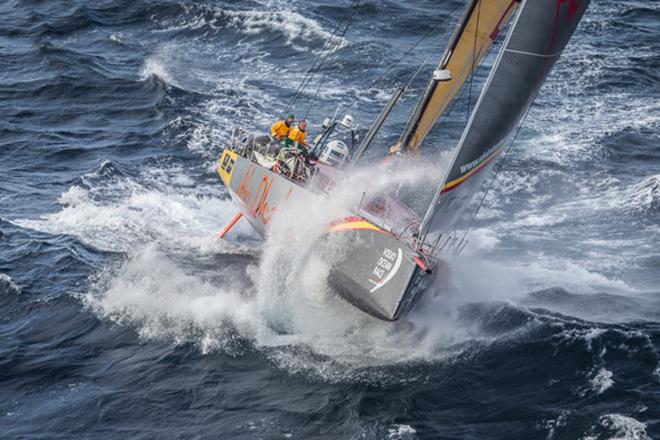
<point>388,254</point>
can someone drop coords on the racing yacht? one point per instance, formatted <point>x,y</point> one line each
<point>389,253</point>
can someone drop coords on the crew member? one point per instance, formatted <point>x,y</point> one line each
<point>297,135</point>
<point>280,130</point>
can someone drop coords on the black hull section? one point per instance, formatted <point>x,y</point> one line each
<point>376,272</point>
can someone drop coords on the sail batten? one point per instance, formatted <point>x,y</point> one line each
<point>536,39</point>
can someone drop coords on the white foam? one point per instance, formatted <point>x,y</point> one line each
<point>396,432</point>
<point>644,195</point>
<point>619,427</point>
<point>304,305</point>
<point>588,335</point>
<point>291,24</point>
<point>155,294</point>
<point>553,424</point>
<point>9,283</point>
<point>515,276</point>
<point>118,214</point>
<point>156,66</point>
<point>158,220</point>
<point>278,307</point>
<point>602,381</point>
<point>268,20</point>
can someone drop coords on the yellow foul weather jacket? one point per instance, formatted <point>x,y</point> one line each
<point>297,135</point>
<point>279,130</point>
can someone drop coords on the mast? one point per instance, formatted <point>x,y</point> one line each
<point>378,123</point>
<point>533,45</point>
<point>471,40</point>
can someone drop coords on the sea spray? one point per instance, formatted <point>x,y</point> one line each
<point>291,286</point>
<point>287,308</point>
<point>162,300</point>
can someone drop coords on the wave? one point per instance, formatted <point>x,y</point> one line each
<point>7,285</point>
<point>602,381</point>
<point>294,26</point>
<point>277,24</point>
<point>223,308</point>
<point>601,307</point>
<point>114,211</point>
<point>153,67</point>
<point>645,195</point>
<point>617,426</point>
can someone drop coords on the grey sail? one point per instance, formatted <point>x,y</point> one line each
<point>533,45</point>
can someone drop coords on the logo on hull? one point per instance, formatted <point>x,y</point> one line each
<point>386,268</point>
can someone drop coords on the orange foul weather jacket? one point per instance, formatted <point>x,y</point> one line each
<point>297,135</point>
<point>279,130</point>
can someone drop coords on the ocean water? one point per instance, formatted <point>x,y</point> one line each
<point>122,315</point>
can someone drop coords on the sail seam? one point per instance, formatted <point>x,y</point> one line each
<point>522,52</point>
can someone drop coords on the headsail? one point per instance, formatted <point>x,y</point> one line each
<point>534,43</point>
<point>477,29</point>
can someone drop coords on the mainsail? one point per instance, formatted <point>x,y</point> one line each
<point>477,29</point>
<point>535,41</point>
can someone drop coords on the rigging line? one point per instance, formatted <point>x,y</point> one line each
<point>311,71</point>
<point>326,50</point>
<point>447,113</point>
<point>329,55</point>
<point>497,172</point>
<point>455,101</point>
<point>332,55</point>
<point>405,54</point>
<point>474,60</point>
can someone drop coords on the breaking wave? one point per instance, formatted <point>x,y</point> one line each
<point>617,427</point>
<point>8,285</point>
<point>118,212</point>
<point>178,282</point>
<point>274,21</point>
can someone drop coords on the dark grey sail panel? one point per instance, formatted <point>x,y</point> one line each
<point>534,43</point>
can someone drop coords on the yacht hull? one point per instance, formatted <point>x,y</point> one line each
<point>371,268</point>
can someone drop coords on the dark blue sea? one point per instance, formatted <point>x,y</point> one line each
<point>123,316</point>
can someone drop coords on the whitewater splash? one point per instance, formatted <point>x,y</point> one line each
<point>297,30</point>
<point>285,302</point>
<point>178,282</point>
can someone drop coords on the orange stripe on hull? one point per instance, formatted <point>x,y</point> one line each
<point>353,224</point>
